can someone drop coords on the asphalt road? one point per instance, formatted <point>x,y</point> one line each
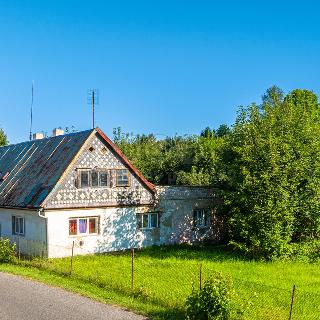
<point>29,300</point>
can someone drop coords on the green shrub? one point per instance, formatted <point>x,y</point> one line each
<point>307,251</point>
<point>213,301</point>
<point>7,251</point>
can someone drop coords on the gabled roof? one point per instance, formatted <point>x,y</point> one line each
<point>30,170</point>
<point>34,167</point>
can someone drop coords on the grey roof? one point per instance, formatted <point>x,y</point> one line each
<point>29,170</point>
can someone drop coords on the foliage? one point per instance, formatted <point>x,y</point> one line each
<point>271,180</point>
<point>213,301</point>
<point>3,138</point>
<point>7,251</point>
<point>307,251</point>
<point>181,160</point>
<point>266,168</point>
<point>160,161</point>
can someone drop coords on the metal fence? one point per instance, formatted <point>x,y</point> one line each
<point>167,282</point>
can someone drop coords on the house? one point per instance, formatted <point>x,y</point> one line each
<point>78,190</point>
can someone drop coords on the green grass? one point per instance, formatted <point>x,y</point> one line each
<point>164,277</point>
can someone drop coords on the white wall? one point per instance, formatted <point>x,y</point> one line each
<point>33,242</point>
<point>177,204</point>
<point>117,231</point>
<point>118,226</point>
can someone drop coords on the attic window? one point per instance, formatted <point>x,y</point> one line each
<point>123,178</point>
<point>93,178</point>
<point>91,149</point>
<point>104,150</point>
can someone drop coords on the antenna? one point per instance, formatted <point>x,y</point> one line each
<point>93,99</point>
<point>31,115</point>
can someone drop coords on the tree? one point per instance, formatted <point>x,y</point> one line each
<point>274,96</point>
<point>3,138</point>
<point>270,174</point>
<point>222,131</point>
<point>207,133</point>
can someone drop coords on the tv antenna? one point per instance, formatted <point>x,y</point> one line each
<point>93,100</point>
<point>31,111</point>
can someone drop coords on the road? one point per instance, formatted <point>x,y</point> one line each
<point>29,300</point>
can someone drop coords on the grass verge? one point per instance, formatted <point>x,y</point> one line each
<point>165,276</point>
<point>130,302</point>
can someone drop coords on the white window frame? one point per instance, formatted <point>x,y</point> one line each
<point>200,218</point>
<point>17,225</point>
<point>149,226</point>
<point>119,174</point>
<point>87,233</point>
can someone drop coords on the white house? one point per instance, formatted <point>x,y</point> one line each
<point>79,190</point>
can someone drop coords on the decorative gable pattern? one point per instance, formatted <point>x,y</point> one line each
<point>96,153</point>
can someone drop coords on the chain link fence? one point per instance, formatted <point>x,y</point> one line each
<point>167,282</point>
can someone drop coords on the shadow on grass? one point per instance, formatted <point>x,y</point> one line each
<point>188,252</point>
<point>167,314</point>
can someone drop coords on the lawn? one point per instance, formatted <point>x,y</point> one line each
<point>165,276</point>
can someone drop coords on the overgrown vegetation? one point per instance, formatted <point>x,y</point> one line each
<point>214,301</point>
<point>7,251</point>
<point>266,168</point>
<point>3,138</point>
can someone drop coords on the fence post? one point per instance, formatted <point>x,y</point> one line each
<point>200,275</point>
<point>71,261</point>
<point>292,301</point>
<point>132,270</point>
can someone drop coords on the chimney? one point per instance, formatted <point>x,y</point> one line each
<point>57,132</point>
<point>38,136</point>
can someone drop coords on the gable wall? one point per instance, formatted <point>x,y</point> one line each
<point>67,195</point>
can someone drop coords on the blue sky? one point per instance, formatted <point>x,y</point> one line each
<point>161,66</point>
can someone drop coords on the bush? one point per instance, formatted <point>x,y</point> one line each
<point>213,301</point>
<point>7,251</point>
<point>307,251</point>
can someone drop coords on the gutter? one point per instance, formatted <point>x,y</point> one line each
<point>42,215</point>
<point>39,213</point>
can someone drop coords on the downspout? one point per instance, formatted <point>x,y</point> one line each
<point>43,216</point>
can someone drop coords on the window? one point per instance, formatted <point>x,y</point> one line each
<point>83,226</point>
<point>148,220</point>
<point>200,218</point>
<point>93,178</point>
<point>103,179</point>
<point>18,225</point>
<point>73,227</point>
<point>122,178</point>
<point>84,178</point>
